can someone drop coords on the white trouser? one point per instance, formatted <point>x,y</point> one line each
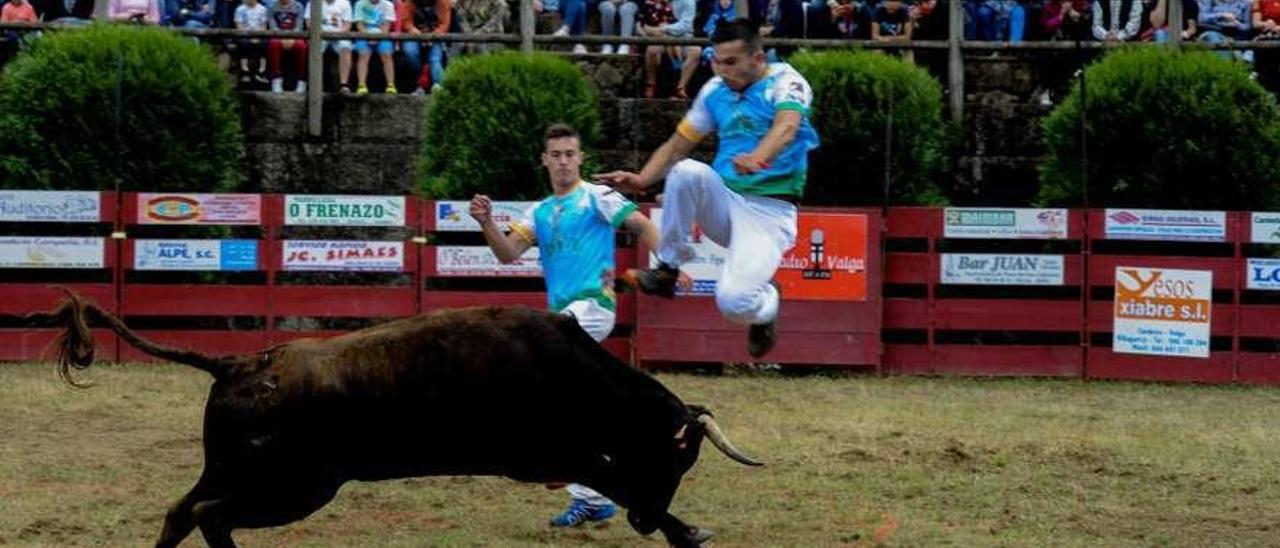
<point>597,321</point>
<point>755,229</point>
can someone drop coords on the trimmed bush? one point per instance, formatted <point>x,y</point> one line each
<point>852,95</point>
<point>178,130</point>
<point>484,127</point>
<point>1165,129</point>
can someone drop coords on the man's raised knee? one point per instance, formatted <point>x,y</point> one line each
<point>736,304</point>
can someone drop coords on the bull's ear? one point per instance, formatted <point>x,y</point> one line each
<point>696,411</point>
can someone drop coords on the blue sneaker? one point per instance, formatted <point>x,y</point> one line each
<point>580,512</point>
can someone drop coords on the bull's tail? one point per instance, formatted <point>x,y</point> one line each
<point>76,348</point>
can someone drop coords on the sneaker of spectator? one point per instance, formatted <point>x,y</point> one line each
<point>617,18</point>
<point>286,15</point>
<point>374,17</point>
<point>337,18</point>
<point>143,12</point>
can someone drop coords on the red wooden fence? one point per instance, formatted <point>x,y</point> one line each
<point>928,327</point>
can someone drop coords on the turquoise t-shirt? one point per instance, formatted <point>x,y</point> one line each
<point>575,238</point>
<point>742,120</point>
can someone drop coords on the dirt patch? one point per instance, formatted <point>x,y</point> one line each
<point>52,529</point>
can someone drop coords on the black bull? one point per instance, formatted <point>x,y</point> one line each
<point>482,391</point>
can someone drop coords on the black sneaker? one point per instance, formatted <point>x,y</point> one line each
<point>762,336</point>
<point>659,281</point>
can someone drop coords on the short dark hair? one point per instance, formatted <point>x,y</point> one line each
<point>739,29</point>
<point>559,131</point>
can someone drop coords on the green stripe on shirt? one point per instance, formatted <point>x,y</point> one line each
<point>621,215</point>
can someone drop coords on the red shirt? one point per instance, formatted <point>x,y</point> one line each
<point>1270,9</point>
<point>17,13</point>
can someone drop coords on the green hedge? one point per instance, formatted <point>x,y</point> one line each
<point>484,128</point>
<point>179,127</point>
<point>852,96</point>
<point>1165,130</point>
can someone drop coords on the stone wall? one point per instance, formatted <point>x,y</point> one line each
<point>370,144</point>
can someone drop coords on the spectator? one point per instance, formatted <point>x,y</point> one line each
<point>336,16</point>
<point>927,21</point>
<point>1066,19</point>
<point>621,12</point>
<point>1266,19</point>
<point>1116,20</point>
<point>287,15</point>
<point>135,11</point>
<point>1224,21</point>
<point>1225,18</point>
<point>995,20</point>
<point>1266,22</point>
<point>1155,19</point>
<point>721,10</point>
<point>374,17</point>
<point>672,18</point>
<point>17,11</point>
<point>420,17</point>
<point>191,14</point>
<point>891,23</point>
<point>64,11</point>
<point>482,17</point>
<point>251,15</point>
<point>850,19</point>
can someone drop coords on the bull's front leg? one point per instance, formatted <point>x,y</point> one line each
<point>681,535</point>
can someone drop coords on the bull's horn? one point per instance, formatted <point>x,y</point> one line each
<point>722,443</point>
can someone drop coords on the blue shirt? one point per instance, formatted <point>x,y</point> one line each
<point>743,119</point>
<point>575,238</point>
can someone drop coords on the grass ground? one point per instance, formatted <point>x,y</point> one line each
<point>852,461</point>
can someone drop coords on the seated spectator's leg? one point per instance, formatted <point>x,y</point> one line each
<point>300,64</point>
<point>627,17</point>
<point>435,57</point>
<point>652,60</point>
<point>385,49</point>
<point>970,20</point>
<point>608,17</point>
<point>412,55</point>
<point>344,63</point>
<point>1017,23</point>
<point>363,52</point>
<point>276,73</point>
<point>575,16</point>
<point>986,22</point>
<point>1215,37</point>
<point>692,55</point>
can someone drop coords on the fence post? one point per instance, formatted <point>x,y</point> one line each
<point>1174,24</point>
<point>315,70</point>
<point>955,61</point>
<point>526,26</point>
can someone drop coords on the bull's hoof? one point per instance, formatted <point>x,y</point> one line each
<point>692,538</point>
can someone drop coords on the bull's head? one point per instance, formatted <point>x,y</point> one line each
<point>654,493</point>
